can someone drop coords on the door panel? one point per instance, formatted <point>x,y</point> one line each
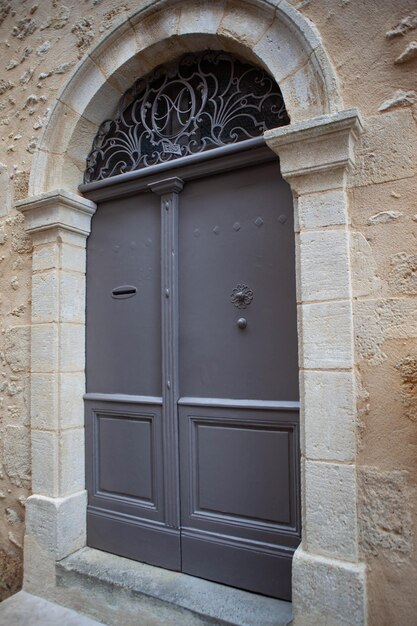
<point>126,457</point>
<point>239,464</point>
<point>126,443</point>
<point>124,333</point>
<point>123,408</point>
<point>228,490</point>
<point>235,229</point>
<point>124,463</point>
<point>227,463</point>
<point>238,483</point>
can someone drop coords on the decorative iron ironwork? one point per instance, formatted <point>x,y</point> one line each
<point>203,101</point>
<point>241,296</point>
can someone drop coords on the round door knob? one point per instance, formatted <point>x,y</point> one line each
<point>242,323</point>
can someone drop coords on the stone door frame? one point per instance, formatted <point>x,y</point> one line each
<point>316,152</point>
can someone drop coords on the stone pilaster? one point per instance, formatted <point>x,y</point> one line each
<point>59,223</point>
<point>328,579</point>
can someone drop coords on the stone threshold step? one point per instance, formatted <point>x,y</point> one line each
<point>119,591</point>
<point>24,609</point>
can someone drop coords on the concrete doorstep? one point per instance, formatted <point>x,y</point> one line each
<point>23,609</point>
<point>115,591</point>
<point>122,592</point>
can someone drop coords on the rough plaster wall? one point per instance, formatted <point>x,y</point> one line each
<point>373,46</point>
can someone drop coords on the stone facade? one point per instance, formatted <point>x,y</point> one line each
<point>347,72</point>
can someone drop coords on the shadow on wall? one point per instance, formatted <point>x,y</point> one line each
<point>11,571</point>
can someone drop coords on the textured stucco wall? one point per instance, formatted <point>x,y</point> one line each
<point>372,45</point>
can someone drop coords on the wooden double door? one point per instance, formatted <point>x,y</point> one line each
<point>192,377</point>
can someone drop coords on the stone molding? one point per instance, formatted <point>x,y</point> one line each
<point>271,33</point>
<point>336,134</point>
<point>317,146</point>
<point>342,588</point>
<point>315,157</point>
<point>64,530</point>
<point>57,209</point>
<point>59,222</point>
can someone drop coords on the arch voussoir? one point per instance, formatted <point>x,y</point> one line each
<point>272,34</point>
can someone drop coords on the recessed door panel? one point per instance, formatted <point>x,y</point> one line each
<point>124,298</point>
<point>239,473</point>
<point>125,441</point>
<point>236,240</point>
<point>125,454</point>
<point>237,479</point>
<point>124,463</point>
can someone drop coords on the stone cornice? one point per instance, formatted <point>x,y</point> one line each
<point>321,144</point>
<point>57,209</point>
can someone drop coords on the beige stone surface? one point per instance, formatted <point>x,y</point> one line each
<point>322,210</point>
<point>41,46</point>
<point>327,592</point>
<point>324,265</point>
<point>330,518</point>
<point>329,412</point>
<point>63,529</point>
<point>388,149</point>
<point>369,76</point>
<point>326,335</point>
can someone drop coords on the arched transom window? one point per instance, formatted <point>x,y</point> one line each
<point>200,102</point>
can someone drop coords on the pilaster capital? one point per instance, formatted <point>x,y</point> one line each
<point>168,185</point>
<point>321,148</point>
<point>59,210</point>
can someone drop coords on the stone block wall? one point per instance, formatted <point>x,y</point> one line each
<point>373,47</point>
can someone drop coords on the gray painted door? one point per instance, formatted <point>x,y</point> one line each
<point>192,377</point>
<point>127,511</point>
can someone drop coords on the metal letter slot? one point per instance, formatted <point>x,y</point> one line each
<point>123,292</point>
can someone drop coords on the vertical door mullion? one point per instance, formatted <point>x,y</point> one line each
<point>169,190</point>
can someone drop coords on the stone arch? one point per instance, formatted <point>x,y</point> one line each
<point>269,33</point>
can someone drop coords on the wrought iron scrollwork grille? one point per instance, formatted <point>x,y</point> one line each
<point>203,101</point>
